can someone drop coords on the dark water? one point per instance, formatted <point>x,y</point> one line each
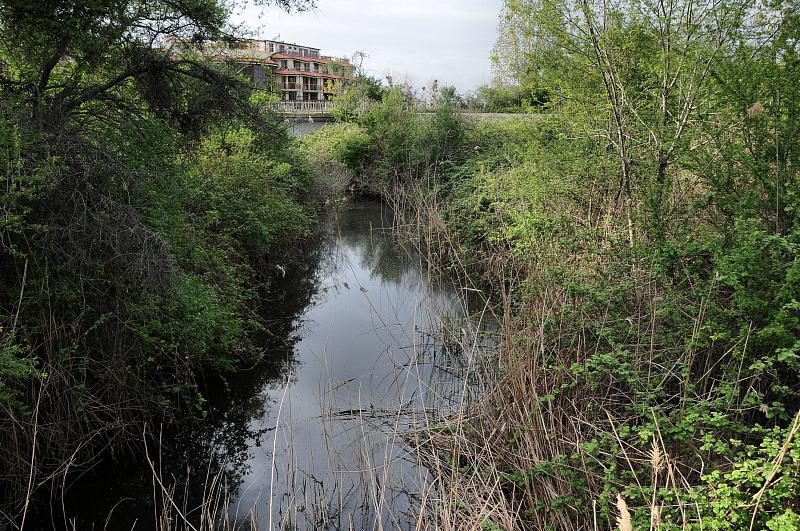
<point>304,127</point>
<point>312,437</point>
<point>364,368</point>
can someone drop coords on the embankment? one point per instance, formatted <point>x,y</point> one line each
<point>648,375</point>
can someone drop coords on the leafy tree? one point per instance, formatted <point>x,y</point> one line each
<point>647,64</point>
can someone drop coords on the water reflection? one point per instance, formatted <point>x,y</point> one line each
<point>325,451</point>
<point>304,127</point>
<point>309,438</point>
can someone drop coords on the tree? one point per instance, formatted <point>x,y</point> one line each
<point>102,106</point>
<point>64,56</point>
<point>358,62</point>
<point>514,53</point>
<point>647,64</point>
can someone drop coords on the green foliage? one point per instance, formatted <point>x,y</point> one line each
<point>513,98</point>
<point>643,233</point>
<point>762,486</point>
<point>354,97</point>
<point>405,143</point>
<point>337,153</point>
<point>388,142</point>
<point>143,196</point>
<point>344,143</point>
<point>247,195</point>
<point>16,364</point>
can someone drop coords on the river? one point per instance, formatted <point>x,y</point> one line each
<point>312,438</point>
<point>364,365</point>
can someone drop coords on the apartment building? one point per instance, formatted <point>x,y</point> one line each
<point>300,73</point>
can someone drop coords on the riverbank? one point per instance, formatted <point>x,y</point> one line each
<point>647,376</point>
<point>359,354</point>
<point>133,265</point>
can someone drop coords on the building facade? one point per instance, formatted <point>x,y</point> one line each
<point>299,73</point>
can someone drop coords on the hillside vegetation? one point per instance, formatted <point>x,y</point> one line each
<point>638,237</point>
<point>144,196</point>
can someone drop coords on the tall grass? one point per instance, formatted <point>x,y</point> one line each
<point>637,381</point>
<point>368,475</point>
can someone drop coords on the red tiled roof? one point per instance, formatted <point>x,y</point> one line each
<point>308,74</point>
<point>299,58</point>
<point>244,59</point>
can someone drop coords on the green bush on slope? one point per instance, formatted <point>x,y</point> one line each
<point>629,340</point>
<point>130,267</point>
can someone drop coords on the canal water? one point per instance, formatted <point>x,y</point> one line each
<point>312,437</point>
<point>367,364</point>
<point>305,127</point>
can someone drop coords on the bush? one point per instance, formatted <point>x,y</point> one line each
<point>513,98</point>
<point>338,153</point>
<point>389,142</point>
<point>153,257</point>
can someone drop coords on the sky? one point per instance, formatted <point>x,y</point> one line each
<point>411,40</point>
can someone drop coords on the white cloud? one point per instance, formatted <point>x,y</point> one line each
<point>447,40</point>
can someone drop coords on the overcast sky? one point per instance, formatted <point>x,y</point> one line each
<point>422,40</point>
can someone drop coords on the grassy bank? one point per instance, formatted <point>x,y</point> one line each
<point>123,288</point>
<point>648,376</point>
